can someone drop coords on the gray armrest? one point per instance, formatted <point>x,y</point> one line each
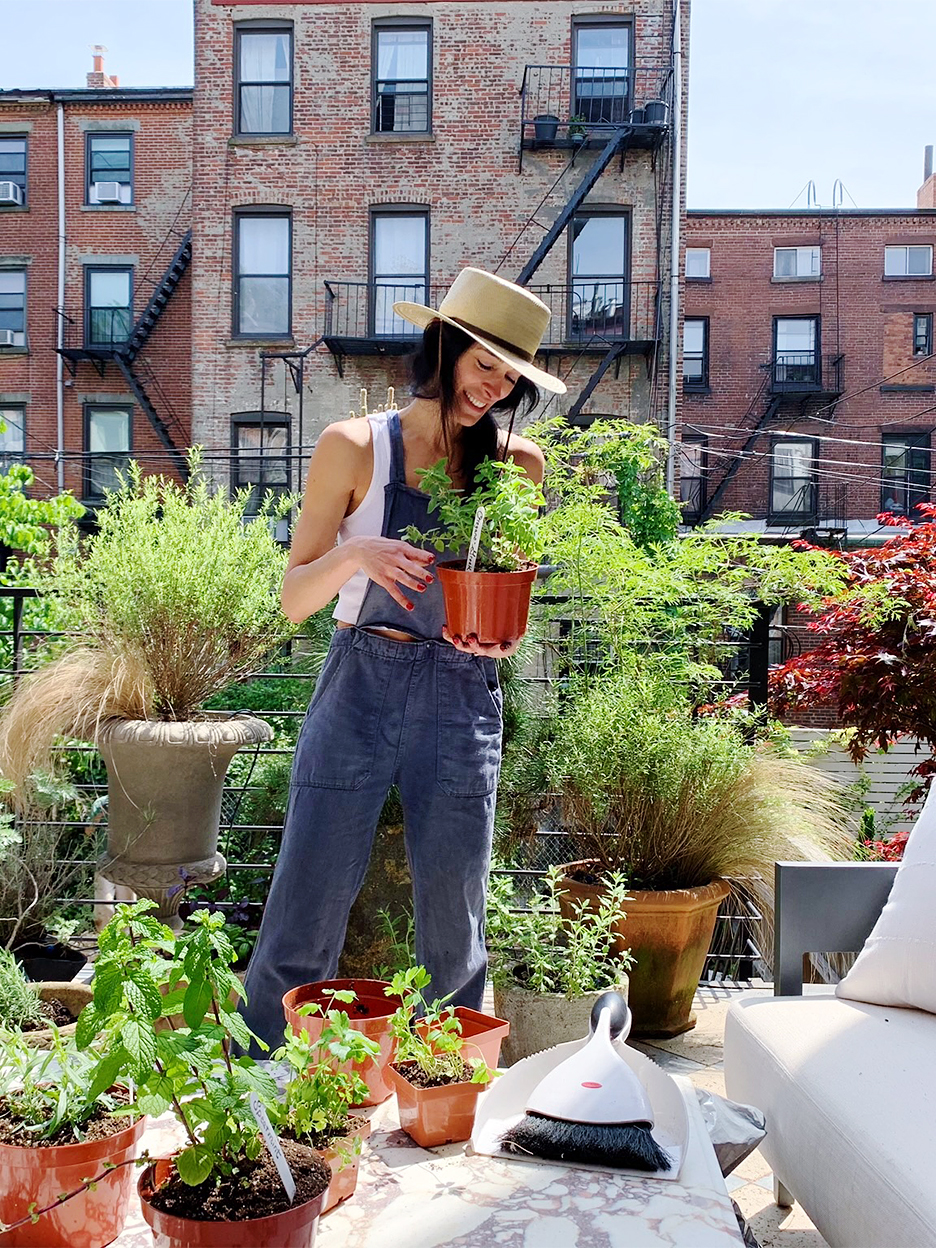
<point>823,908</point>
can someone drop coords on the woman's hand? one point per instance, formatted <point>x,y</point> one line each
<point>471,645</point>
<point>391,564</point>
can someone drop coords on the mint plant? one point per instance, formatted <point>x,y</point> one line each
<point>428,1033</point>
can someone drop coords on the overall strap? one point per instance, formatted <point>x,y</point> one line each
<point>397,459</point>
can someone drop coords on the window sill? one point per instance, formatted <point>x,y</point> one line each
<point>263,140</point>
<point>391,137</point>
<point>108,207</point>
<point>922,389</point>
<point>795,281</point>
<point>14,207</point>
<point>253,343</point>
<point>4,351</point>
<point>696,389</point>
<point>698,281</point>
<point>907,277</point>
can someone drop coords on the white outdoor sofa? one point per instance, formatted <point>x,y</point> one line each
<point>848,1089</point>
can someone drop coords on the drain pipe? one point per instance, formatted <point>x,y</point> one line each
<point>60,310</point>
<point>674,250</point>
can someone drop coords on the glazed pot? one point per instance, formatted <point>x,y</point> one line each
<point>493,606</point>
<point>293,1228</point>
<point>40,1175</point>
<point>435,1116</point>
<point>73,996</point>
<point>668,933</point>
<point>53,963</point>
<point>539,1020</point>
<point>344,1161</point>
<point>370,1013</point>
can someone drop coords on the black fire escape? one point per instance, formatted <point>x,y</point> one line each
<point>111,338</point>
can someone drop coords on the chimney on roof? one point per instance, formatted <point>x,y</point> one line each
<point>97,78</point>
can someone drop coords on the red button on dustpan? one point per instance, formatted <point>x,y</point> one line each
<point>591,1085</point>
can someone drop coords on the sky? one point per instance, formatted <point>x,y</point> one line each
<point>782,92</point>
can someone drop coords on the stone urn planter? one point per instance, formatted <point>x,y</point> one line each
<point>165,783</point>
<point>539,1020</point>
<point>668,933</point>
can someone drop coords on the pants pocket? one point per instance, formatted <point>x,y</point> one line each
<point>338,739</point>
<point>469,726</point>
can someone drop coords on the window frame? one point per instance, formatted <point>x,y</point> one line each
<point>24,332</point>
<point>699,277</point>
<point>806,515</point>
<point>88,456</point>
<point>797,276</point>
<point>262,421</point>
<point>378,25</point>
<point>911,440</point>
<point>90,136</point>
<point>89,271</point>
<point>377,212</point>
<point>263,26</point>
<point>702,382</point>
<point>592,212</point>
<point>9,457</point>
<point>617,21</point>
<point>890,248</point>
<point>796,384</point>
<point>691,515</point>
<point>926,337</point>
<point>24,139</point>
<point>241,214</point>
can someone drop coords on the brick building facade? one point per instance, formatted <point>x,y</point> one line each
<point>112,374</point>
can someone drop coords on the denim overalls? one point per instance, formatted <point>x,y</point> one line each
<point>423,716</point>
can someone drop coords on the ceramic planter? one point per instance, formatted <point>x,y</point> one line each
<point>369,1012</point>
<point>90,1219</point>
<point>73,996</point>
<point>293,1228</point>
<point>493,606</point>
<point>539,1020</point>
<point>669,934</point>
<point>435,1116</point>
<point>344,1161</point>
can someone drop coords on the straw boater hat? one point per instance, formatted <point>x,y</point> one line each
<point>503,317</point>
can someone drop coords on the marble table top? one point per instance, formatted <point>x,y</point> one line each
<point>409,1197</point>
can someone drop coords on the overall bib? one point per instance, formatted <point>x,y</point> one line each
<point>420,715</point>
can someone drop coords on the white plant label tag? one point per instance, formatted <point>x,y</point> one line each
<point>273,1144</point>
<point>475,540</point>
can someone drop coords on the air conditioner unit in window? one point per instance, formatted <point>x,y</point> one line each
<point>10,193</point>
<point>107,192</point>
<point>7,338</point>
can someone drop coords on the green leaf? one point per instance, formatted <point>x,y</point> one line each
<point>196,1003</point>
<point>237,1027</point>
<point>106,1074</point>
<point>88,1026</point>
<point>195,1164</point>
<point>248,1077</point>
<point>140,1043</point>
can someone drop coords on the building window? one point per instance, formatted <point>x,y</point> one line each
<point>401,62</point>
<point>695,353</point>
<point>797,263</point>
<point>908,261</point>
<point>399,268</point>
<point>108,306</point>
<point>905,470</point>
<point>12,307</point>
<point>698,262</point>
<point>692,478</point>
<point>261,460</point>
<point>922,333</point>
<point>12,435</point>
<point>264,81</point>
<point>598,307</point>
<point>796,351</point>
<point>12,172</point>
<point>107,447</point>
<point>601,74</point>
<point>110,169</point>
<point>793,481</point>
<point>263,275</point>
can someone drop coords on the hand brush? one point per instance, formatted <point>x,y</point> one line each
<point>592,1108</point>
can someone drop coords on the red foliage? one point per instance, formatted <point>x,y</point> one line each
<point>891,850</point>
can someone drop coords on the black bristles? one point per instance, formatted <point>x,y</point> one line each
<point>623,1147</point>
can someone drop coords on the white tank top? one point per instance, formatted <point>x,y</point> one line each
<point>365,520</point>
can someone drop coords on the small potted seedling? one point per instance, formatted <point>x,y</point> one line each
<point>494,534</point>
<point>437,1089</point>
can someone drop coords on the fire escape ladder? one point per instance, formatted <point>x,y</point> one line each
<point>125,364</point>
<point>614,353</point>
<point>594,172</point>
<point>160,297</point>
<point>767,414</point>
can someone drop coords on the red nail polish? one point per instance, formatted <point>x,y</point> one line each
<point>409,606</point>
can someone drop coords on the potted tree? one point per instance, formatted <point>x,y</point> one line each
<point>492,600</point>
<point>548,971</point>
<point>436,1088</point>
<point>174,597</point>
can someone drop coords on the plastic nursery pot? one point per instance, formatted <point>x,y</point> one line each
<point>369,1012</point>
<point>40,1175</point>
<point>493,606</point>
<point>344,1161</point>
<point>482,1035</point>
<point>73,996</point>
<point>434,1116</point>
<point>55,963</point>
<point>293,1228</point>
<point>545,127</point>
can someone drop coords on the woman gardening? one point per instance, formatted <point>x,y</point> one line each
<point>399,700</point>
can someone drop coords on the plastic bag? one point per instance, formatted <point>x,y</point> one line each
<point>735,1130</point>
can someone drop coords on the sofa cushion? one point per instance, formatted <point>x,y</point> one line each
<point>897,965</point>
<point>850,1102</point>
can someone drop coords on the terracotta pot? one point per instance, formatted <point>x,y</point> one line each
<point>669,934</point>
<point>369,1013</point>
<point>482,1035</point>
<point>41,1175</point>
<point>539,1020</point>
<point>73,996</point>
<point>293,1228</point>
<point>494,606</point>
<point>344,1161</point>
<point>434,1116</point>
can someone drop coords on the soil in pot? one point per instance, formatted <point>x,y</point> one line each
<point>342,1154</point>
<point>62,1003</point>
<point>438,1112</point>
<point>493,606</point>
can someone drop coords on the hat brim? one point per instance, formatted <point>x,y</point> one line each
<point>418,314</point>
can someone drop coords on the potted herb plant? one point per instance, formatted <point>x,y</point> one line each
<point>174,597</point>
<point>436,1088</point>
<point>548,970</point>
<point>491,601</point>
<point>32,1009</point>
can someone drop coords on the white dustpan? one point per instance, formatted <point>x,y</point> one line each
<point>509,1097</point>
